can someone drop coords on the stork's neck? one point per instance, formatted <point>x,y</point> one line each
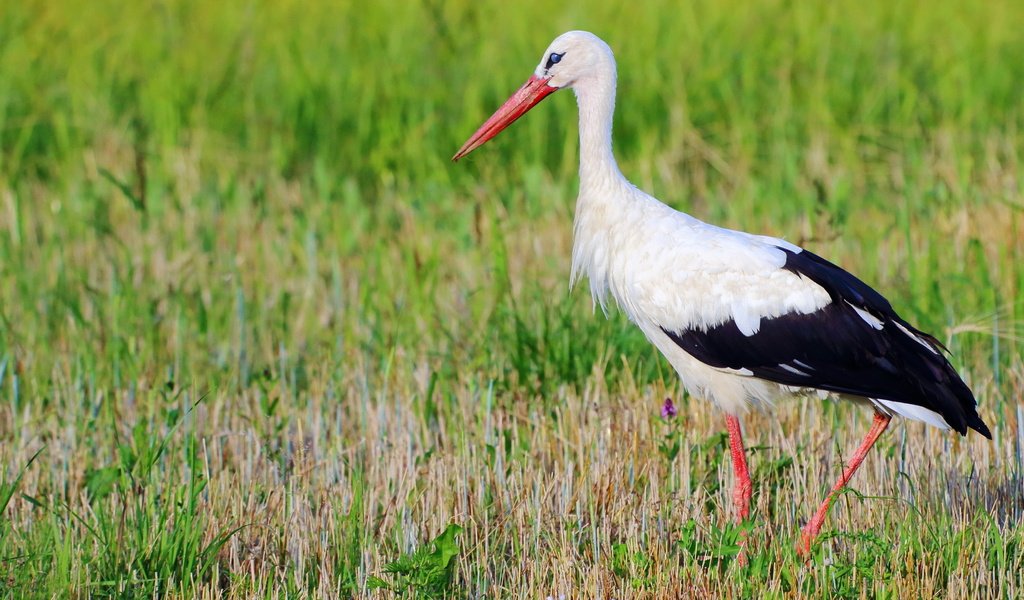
<point>606,198</point>
<point>596,100</point>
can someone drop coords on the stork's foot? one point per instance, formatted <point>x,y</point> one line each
<point>741,504</point>
<point>741,556</point>
<point>741,499</point>
<point>807,536</point>
<point>810,531</point>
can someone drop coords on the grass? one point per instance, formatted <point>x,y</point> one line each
<point>259,338</point>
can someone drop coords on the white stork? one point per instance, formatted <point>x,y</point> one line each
<point>744,319</point>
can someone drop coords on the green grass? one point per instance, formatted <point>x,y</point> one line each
<point>260,338</point>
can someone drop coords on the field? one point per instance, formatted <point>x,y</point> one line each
<point>260,338</point>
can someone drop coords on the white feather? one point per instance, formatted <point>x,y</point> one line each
<point>917,338</point>
<point>793,370</point>
<point>911,411</point>
<point>868,318</point>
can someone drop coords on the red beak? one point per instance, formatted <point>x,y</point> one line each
<point>533,91</point>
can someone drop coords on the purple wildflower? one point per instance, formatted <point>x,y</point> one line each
<point>668,410</point>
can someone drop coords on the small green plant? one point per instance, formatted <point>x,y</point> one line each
<point>634,567</point>
<point>720,550</point>
<point>427,572</point>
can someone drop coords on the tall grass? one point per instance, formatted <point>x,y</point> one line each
<point>262,338</point>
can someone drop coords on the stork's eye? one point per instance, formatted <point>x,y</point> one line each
<point>553,59</point>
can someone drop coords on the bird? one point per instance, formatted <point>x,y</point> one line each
<point>745,320</point>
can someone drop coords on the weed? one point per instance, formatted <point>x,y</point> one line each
<point>426,572</point>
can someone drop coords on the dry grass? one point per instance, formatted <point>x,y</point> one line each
<point>545,489</point>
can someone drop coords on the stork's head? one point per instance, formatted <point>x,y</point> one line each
<point>573,58</point>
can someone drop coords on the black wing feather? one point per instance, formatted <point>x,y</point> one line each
<point>835,349</point>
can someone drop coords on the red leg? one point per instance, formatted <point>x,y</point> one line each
<point>742,487</point>
<point>812,528</point>
<point>741,479</point>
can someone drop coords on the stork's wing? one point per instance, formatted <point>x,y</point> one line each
<point>855,344</point>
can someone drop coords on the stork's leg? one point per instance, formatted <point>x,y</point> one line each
<point>742,488</point>
<point>812,528</point>
<point>741,479</point>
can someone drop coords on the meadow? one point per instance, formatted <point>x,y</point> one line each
<point>260,338</point>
